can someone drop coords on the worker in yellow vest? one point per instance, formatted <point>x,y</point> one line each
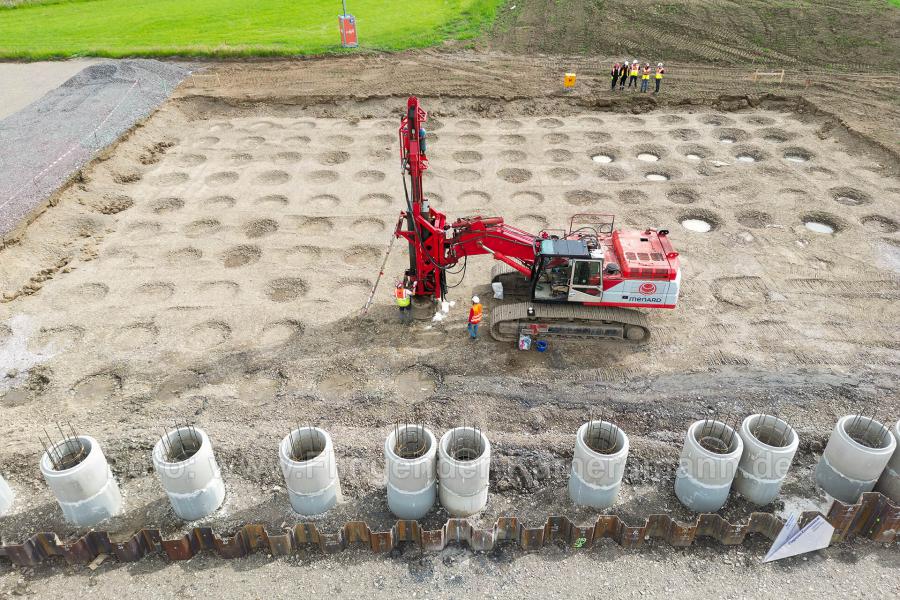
<point>660,71</point>
<point>403,297</point>
<point>645,78</point>
<point>623,74</point>
<point>633,74</point>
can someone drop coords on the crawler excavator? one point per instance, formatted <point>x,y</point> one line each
<point>584,281</point>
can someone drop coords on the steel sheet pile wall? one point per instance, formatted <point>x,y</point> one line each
<point>874,518</point>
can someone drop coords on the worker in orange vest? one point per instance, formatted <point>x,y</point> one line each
<point>403,297</point>
<point>660,71</point>
<point>475,314</point>
<point>645,78</point>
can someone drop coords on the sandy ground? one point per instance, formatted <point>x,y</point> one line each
<point>23,83</point>
<point>211,268</point>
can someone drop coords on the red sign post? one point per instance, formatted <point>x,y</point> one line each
<point>348,29</point>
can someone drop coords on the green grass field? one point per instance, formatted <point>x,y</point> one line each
<point>38,29</point>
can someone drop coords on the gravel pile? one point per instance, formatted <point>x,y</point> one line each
<point>42,145</point>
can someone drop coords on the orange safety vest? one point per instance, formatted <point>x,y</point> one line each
<point>402,295</point>
<point>475,314</point>
<point>659,72</point>
<point>646,74</point>
<point>634,71</point>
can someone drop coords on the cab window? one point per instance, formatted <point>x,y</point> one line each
<point>587,273</point>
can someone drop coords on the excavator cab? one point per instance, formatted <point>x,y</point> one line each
<point>567,271</point>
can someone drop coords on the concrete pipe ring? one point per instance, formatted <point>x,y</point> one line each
<point>889,484</point>
<point>857,452</point>
<point>6,496</point>
<point>706,469</point>
<point>601,451</point>
<point>464,460</point>
<point>410,457</point>
<point>187,469</point>
<point>310,470</point>
<point>769,447</point>
<point>81,480</point>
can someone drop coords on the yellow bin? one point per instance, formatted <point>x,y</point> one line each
<point>569,80</point>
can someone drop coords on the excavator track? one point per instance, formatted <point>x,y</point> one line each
<point>568,321</point>
<point>514,284</point>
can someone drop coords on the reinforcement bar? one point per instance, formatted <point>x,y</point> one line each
<point>874,518</point>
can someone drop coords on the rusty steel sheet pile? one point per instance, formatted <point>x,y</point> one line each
<point>874,518</point>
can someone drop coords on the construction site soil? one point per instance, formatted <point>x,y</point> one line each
<point>853,35</point>
<point>211,268</point>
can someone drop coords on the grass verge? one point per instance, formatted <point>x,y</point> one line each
<point>47,29</point>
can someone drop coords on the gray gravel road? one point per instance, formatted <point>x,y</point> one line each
<point>858,570</point>
<point>42,145</point>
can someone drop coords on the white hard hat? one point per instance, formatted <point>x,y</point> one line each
<point>475,300</point>
<point>658,64</point>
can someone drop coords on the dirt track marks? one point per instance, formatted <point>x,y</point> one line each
<point>272,201</point>
<point>879,224</point>
<point>272,177</point>
<point>279,333</point>
<point>584,197</point>
<point>315,225</point>
<point>755,219</point>
<point>322,176</point>
<point>222,178</point>
<point>514,175</point>
<point>376,201</point>
<point>166,205</point>
<point>556,138</point>
<point>333,157</point>
<point>286,289</point>
<point>467,157</point>
<point>143,230</point>
<point>241,256</point>
<point>368,225</point>
<point>134,336</point>
<point>206,335</point>
<point>259,230</point>
<point>513,156</point>
<point>202,227</point>
<point>473,199</point>
<point>96,389</point>
<point>850,196</point>
<point>324,202</point>
<point>155,291</point>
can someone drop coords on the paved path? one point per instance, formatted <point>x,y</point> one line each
<point>54,136</point>
<point>23,83</point>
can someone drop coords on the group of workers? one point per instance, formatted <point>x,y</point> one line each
<point>630,72</point>
<point>403,297</point>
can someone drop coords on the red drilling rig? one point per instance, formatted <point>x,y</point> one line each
<point>582,282</point>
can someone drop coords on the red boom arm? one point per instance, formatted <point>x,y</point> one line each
<point>434,246</point>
